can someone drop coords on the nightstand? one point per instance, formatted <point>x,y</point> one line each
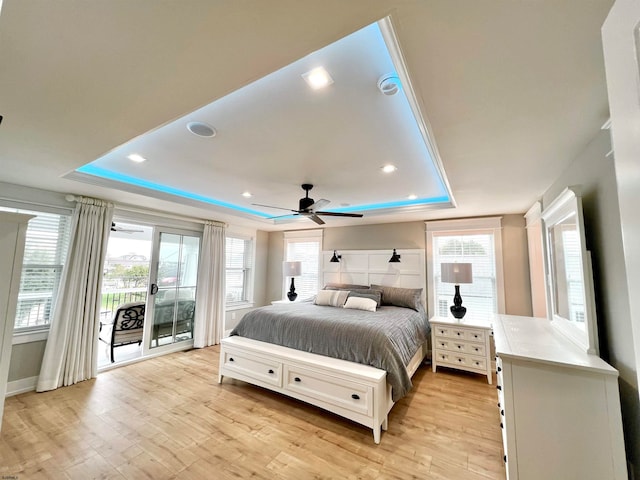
<point>461,344</point>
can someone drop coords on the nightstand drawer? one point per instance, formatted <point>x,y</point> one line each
<point>456,360</point>
<point>469,334</point>
<point>460,347</point>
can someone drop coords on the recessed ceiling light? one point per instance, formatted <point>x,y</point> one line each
<point>134,157</point>
<point>413,196</point>
<point>317,78</point>
<point>201,129</point>
<point>247,194</point>
<point>389,168</point>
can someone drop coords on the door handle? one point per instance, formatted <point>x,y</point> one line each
<point>154,289</point>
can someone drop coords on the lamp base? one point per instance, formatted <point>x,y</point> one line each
<point>457,310</point>
<point>291,294</point>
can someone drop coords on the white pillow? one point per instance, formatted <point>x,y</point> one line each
<point>361,303</point>
<point>331,298</point>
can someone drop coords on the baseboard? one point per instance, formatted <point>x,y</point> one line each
<point>21,386</point>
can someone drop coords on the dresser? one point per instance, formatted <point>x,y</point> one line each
<point>559,406</point>
<point>462,344</point>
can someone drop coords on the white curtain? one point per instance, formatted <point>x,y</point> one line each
<point>209,322</point>
<point>71,354</point>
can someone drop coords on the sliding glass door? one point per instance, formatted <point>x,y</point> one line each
<point>155,270</point>
<point>174,275</point>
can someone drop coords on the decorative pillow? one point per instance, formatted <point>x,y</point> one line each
<point>361,303</point>
<point>331,298</point>
<point>372,294</point>
<point>400,297</point>
<point>345,286</point>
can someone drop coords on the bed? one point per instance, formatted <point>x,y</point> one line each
<point>352,362</point>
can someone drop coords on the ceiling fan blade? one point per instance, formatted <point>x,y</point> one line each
<point>319,204</point>
<point>271,206</point>
<point>340,214</point>
<point>316,219</point>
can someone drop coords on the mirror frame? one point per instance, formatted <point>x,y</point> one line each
<point>569,203</point>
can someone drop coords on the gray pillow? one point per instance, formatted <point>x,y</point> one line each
<point>368,293</point>
<point>400,297</point>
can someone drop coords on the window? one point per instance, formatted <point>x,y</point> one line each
<point>45,252</point>
<point>477,242</point>
<point>304,246</point>
<point>238,259</point>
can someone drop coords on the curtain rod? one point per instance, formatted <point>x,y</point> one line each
<point>132,209</point>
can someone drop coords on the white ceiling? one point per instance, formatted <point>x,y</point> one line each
<point>512,92</point>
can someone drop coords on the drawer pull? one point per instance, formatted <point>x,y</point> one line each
<point>476,348</point>
<point>441,332</point>
<point>459,359</point>
<point>355,396</point>
<point>271,371</point>
<point>458,333</point>
<point>505,459</point>
<point>477,364</point>
<point>498,404</point>
<point>502,412</point>
<point>475,335</point>
<point>501,425</point>
<point>499,369</point>
<point>459,346</point>
<point>231,359</point>
<point>442,344</point>
<point>297,379</point>
<point>499,387</point>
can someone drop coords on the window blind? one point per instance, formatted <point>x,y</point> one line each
<point>306,251</point>
<point>480,297</point>
<point>47,241</point>
<point>238,265</point>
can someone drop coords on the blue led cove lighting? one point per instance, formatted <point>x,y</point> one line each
<point>90,169</point>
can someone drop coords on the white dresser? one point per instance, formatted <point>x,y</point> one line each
<point>559,407</point>
<point>461,344</point>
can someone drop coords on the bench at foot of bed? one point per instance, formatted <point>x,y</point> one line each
<point>351,390</point>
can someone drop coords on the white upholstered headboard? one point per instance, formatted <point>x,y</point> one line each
<point>366,267</point>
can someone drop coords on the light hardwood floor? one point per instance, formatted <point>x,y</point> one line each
<point>167,418</point>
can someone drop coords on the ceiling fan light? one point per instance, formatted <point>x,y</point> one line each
<point>389,168</point>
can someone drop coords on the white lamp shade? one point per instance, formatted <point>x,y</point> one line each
<point>456,273</point>
<point>292,269</point>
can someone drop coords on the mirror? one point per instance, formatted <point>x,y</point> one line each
<point>568,265</point>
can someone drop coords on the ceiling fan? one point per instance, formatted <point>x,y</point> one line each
<point>116,228</point>
<point>309,208</point>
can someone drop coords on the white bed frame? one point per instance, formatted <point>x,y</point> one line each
<point>351,390</point>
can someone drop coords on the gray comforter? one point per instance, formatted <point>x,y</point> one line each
<point>385,339</point>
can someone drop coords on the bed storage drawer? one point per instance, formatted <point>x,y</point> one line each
<point>328,389</point>
<point>253,366</point>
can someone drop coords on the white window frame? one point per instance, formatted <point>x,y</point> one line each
<point>249,268</point>
<point>468,226</point>
<point>302,236</point>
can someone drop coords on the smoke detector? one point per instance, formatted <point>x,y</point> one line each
<point>389,84</point>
